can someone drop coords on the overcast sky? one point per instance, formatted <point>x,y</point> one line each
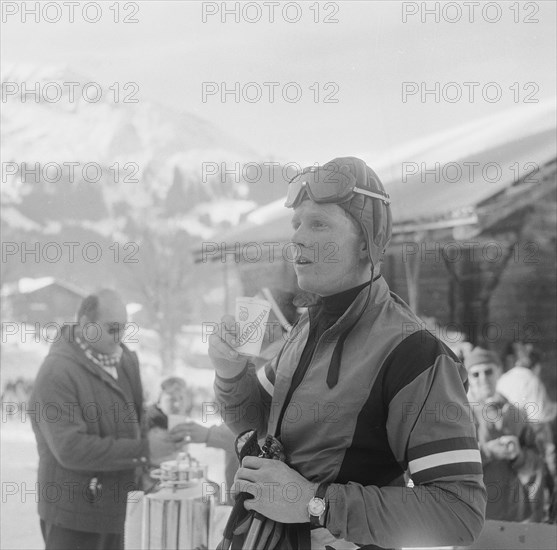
<point>365,57</point>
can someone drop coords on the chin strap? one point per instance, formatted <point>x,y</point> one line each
<point>334,367</point>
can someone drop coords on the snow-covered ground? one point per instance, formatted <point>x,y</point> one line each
<point>19,522</point>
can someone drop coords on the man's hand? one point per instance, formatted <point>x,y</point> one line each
<point>190,432</point>
<point>503,448</point>
<point>280,493</point>
<point>511,444</point>
<point>227,361</point>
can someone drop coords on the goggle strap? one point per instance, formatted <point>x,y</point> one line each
<point>384,198</point>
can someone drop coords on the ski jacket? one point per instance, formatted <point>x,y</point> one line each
<point>399,410</point>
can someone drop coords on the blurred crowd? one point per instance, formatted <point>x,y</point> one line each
<point>516,428</point>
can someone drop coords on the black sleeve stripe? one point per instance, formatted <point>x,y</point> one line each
<point>413,356</point>
<point>446,470</point>
<point>452,444</point>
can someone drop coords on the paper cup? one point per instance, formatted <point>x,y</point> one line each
<point>251,316</point>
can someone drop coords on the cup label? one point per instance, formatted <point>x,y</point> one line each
<point>251,314</point>
<point>251,328</point>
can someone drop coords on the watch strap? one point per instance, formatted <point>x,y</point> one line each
<point>319,493</point>
<point>322,490</point>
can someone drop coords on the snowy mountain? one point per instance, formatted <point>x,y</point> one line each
<point>72,160</point>
<point>111,173</point>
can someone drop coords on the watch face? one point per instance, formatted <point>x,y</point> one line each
<point>316,506</point>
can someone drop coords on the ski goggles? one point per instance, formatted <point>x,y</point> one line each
<point>326,186</point>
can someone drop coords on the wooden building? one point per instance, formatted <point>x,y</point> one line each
<point>40,301</point>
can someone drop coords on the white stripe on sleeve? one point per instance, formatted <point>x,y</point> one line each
<point>447,457</point>
<point>264,381</point>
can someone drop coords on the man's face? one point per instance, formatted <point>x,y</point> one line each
<point>483,380</point>
<point>332,254</point>
<point>106,332</point>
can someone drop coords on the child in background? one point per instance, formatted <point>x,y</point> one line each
<point>177,398</point>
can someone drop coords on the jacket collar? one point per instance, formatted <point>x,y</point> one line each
<point>369,298</point>
<point>378,293</point>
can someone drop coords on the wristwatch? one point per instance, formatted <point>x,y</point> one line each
<point>317,506</point>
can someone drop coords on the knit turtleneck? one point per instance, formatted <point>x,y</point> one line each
<point>336,304</point>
